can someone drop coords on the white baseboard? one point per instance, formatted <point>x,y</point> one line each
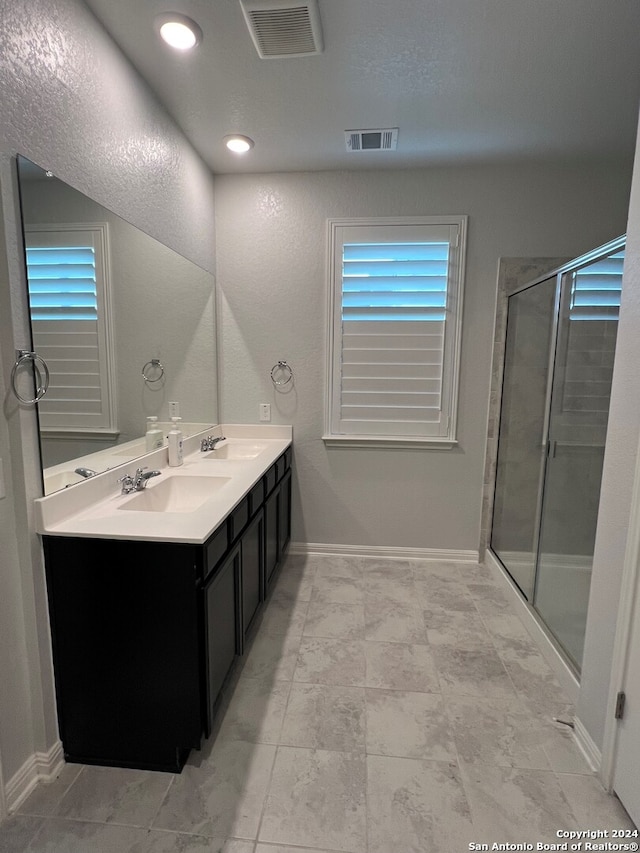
<point>527,614</point>
<point>40,767</point>
<point>382,551</point>
<point>587,745</point>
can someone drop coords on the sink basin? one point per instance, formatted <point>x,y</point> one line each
<point>53,482</point>
<point>237,450</point>
<point>175,494</point>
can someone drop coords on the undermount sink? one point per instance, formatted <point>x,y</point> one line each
<point>53,482</point>
<point>237,450</point>
<point>175,494</point>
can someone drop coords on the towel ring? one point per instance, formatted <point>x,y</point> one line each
<point>284,370</point>
<point>22,356</point>
<point>153,364</point>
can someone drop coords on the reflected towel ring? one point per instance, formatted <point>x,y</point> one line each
<point>284,370</point>
<point>22,356</point>
<point>154,363</point>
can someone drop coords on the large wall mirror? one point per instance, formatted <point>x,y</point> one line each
<point>126,326</point>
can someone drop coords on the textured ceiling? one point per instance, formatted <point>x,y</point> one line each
<point>464,80</point>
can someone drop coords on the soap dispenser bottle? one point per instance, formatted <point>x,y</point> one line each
<point>175,444</point>
<point>153,437</point>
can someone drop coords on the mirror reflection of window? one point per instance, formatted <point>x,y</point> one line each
<point>69,295</point>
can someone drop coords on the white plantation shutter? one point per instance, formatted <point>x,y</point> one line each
<point>596,289</point>
<point>67,276</point>
<point>397,302</point>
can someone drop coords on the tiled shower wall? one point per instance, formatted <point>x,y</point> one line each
<point>512,274</point>
<point>590,352</point>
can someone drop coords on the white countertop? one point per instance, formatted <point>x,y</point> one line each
<point>93,508</point>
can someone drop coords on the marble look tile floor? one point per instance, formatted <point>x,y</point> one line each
<point>384,706</point>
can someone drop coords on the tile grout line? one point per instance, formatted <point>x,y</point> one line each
<point>162,802</point>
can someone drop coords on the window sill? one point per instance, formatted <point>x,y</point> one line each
<point>391,442</point>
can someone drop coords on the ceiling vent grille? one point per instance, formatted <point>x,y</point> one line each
<point>284,28</point>
<point>379,139</point>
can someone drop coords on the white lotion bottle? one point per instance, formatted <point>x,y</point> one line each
<point>175,444</point>
<point>153,437</point>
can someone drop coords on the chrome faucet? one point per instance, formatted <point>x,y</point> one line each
<point>137,482</point>
<point>209,443</point>
<point>86,472</point>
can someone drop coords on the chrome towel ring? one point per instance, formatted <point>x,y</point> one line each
<point>22,357</point>
<point>156,365</point>
<point>281,373</point>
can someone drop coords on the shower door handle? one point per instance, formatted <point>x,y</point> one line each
<point>552,446</point>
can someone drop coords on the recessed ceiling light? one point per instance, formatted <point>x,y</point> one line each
<point>178,31</point>
<point>238,144</point>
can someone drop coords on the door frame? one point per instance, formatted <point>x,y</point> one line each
<point>629,592</point>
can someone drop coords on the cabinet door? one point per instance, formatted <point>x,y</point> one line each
<point>222,643</point>
<point>271,534</point>
<point>252,571</point>
<point>284,515</point>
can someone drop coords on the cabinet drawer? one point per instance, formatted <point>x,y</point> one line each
<point>239,518</point>
<point>216,547</point>
<point>270,479</point>
<point>256,497</point>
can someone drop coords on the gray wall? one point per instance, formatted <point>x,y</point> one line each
<point>620,460</point>
<point>271,273</point>
<point>70,102</point>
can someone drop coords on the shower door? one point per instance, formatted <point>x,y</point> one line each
<point>522,439</point>
<point>581,389</point>
<point>560,346</point>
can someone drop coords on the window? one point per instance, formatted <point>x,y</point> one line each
<point>394,332</point>
<point>68,281</point>
<point>596,289</point>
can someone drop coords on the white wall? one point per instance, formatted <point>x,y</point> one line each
<point>271,258</point>
<point>70,102</point>
<point>617,485</point>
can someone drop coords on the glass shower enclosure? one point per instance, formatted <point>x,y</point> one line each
<point>559,352</point>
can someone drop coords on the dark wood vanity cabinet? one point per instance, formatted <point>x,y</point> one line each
<point>145,634</point>
<point>126,627</point>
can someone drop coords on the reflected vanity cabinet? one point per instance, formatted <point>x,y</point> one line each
<point>145,634</point>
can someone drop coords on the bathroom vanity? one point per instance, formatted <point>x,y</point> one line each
<point>151,608</point>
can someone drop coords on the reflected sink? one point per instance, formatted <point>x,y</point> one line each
<point>53,482</point>
<point>237,450</point>
<point>175,494</point>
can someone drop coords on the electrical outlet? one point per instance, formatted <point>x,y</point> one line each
<point>174,410</point>
<point>265,411</point>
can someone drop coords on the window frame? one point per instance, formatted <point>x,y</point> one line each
<point>336,237</point>
<point>100,236</point>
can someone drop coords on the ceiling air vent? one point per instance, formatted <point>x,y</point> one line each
<point>281,28</point>
<point>380,139</point>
